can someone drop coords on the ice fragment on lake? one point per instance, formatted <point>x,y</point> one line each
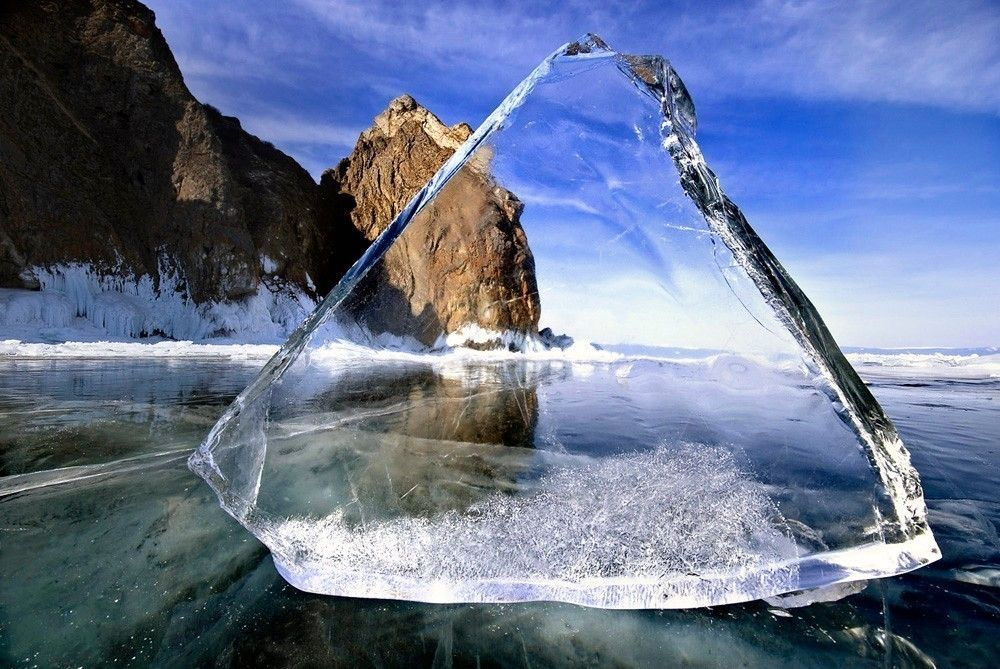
<point>667,423</point>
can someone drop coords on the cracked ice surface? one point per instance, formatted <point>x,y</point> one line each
<point>697,438</point>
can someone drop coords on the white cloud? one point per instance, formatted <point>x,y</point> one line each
<point>476,36</point>
<point>916,51</point>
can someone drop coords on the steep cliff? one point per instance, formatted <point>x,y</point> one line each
<point>107,158</point>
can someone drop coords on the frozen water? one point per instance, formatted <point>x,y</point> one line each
<point>133,558</point>
<point>679,430</point>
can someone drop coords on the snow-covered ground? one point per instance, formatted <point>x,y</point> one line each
<point>87,343</point>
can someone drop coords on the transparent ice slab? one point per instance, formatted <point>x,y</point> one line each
<point>677,429</point>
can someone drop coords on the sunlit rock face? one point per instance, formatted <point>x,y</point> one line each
<point>375,178</point>
<point>466,261</point>
<point>669,425</point>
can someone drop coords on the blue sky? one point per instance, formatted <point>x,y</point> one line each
<point>862,139</point>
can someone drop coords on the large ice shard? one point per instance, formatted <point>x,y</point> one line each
<point>671,425</point>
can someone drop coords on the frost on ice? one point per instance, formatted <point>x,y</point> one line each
<point>76,302</point>
<point>678,430</point>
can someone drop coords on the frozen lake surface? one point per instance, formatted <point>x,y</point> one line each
<point>114,552</point>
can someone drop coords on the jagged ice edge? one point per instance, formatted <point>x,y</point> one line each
<point>885,449</point>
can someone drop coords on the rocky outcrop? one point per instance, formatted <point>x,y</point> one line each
<point>391,161</point>
<point>463,263</point>
<point>106,158</point>
<point>109,166</point>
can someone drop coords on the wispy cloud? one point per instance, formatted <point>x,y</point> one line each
<point>924,52</point>
<point>294,130</point>
<point>466,56</point>
<point>315,144</point>
<point>479,35</point>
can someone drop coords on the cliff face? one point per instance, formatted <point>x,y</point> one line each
<point>463,261</point>
<point>106,159</point>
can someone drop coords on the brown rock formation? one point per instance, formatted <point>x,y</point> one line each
<point>464,260</point>
<point>391,161</point>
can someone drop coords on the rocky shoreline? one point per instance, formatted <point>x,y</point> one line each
<point>112,171</point>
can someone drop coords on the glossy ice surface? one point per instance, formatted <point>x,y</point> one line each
<point>696,437</point>
<point>127,560</point>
